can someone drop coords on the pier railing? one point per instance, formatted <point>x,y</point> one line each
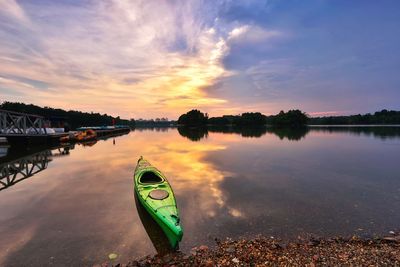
<point>15,123</point>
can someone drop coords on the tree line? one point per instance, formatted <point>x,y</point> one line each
<point>73,119</point>
<point>292,118</point>
<point>380,117</point>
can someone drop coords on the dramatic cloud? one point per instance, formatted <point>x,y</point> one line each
<point>161,58</point>
<point>135,58</point>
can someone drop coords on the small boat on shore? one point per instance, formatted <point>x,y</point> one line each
<point>82,136</point>
<point>87,135</point>
<point>71,137</point>
<point>156,195</point>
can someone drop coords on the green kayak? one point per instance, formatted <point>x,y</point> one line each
<point>157,197</point>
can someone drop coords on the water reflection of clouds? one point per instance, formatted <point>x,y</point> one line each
<point>195,180</point>
<point>181,160</point>
<point>57,206</point>
<point>319,185</point>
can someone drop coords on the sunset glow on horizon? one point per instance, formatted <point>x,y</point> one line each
<point>147,59</point>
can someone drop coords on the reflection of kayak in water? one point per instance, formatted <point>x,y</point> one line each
<point>153,230</point>
<point>157,197</point>
<point>86,135</point>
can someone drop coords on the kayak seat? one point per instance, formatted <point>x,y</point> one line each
<point>150,178</point>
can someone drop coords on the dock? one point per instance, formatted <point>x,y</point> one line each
<point>111,132</point>
<point>31,139</point>
<point>21,129</point>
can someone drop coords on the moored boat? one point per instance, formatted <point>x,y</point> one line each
<point>86,135</point>
<point>71,137</point>
<point>81,136</point>
<point>156,195</point>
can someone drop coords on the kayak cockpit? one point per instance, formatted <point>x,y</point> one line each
<point>150,177</point>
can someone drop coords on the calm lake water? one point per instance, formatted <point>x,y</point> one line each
<point>80,205</point>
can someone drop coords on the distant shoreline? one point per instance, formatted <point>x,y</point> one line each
<point>266,125</point>
<point>353,125</point>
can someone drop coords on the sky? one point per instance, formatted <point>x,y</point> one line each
<point>147,59</point>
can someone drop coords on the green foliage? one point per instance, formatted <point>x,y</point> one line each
<point>219,120</point>
<point>246,119</point>
<point>380,117</point>
<point>292,118</point>
<point>251,118</point>
<point>193,118</point>
<point>74,119</point>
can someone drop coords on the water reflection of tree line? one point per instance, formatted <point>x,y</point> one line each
<point>292,134</point>
<point>193,133</point>
<point>382,132</point>
<point>198,133</point>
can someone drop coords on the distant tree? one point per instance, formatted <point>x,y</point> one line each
<point>246,119</point>
<point>380,117</point>
<point>251,118</point>
<point>193,118</point>
<point>292,118</point>
<point>219,121</point>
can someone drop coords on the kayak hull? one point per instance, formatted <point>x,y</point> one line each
<point>173,237</point>
<point>163,210</point>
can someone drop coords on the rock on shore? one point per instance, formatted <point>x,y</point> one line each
<point>270,252</point>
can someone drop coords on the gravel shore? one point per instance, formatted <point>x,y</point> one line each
<point>271,252</point>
